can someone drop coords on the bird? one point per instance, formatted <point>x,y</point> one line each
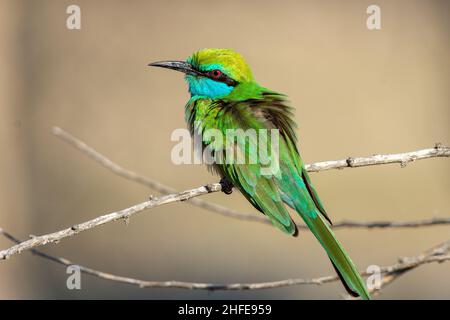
<point>225,96</point>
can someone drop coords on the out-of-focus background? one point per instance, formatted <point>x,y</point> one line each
<point>357,92</point>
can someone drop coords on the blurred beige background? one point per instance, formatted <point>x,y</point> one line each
<point>356,92</point>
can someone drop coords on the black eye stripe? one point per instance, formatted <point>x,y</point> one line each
<point>223,78</point>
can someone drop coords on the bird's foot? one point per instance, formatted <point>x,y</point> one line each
<point>227,186</point>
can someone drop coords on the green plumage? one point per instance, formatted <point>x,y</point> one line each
<point>240,103</point>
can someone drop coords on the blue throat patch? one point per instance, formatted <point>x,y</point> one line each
<point>205,87</point>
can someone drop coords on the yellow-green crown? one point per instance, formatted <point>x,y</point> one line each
<point>229,61</point>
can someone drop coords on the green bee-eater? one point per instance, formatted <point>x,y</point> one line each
<point>224,96</point>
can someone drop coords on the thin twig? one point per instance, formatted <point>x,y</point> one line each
<point>438,253</point>
<point>390,273</point>
<point>124,214</point>
<point>390,224</point>
<point>438,151</point>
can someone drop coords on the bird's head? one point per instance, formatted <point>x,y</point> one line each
<point>213,73</point>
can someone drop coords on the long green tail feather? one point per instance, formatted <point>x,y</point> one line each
<point>338,256</point>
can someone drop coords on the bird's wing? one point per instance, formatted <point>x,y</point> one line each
<point>262,193</point>
<point>291,184</point>
<point>259,188</point>
<point>272,111</point>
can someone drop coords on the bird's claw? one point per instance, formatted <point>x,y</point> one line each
<point>227,186</point>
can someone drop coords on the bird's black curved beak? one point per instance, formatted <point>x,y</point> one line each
<point>181,66</point>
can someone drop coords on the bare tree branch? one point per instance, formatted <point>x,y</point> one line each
<point>438,253</point>
<point>390,273</point>
<point>402,158</point>
<point>125,214</point>
<point>438,151</point>
<point>390,224</point>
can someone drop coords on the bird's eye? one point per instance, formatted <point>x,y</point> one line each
<point>215,74</point>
